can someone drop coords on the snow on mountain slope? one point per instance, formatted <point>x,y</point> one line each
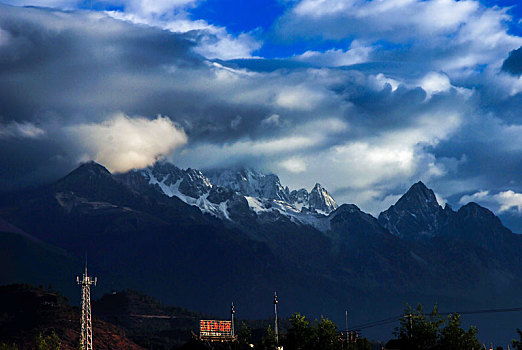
<point>251,183</point>
<point>189,185</point>
<point>214,191</point>
<point>320,200</point>
<point>264,205</point>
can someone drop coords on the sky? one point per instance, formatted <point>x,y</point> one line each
<point>364,97</point>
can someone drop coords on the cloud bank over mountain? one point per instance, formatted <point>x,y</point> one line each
<point>366,97</point>
<point>125,143</point>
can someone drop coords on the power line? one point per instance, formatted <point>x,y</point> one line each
<point>487,311</point>
<point>468,312</point>
<point>377,323</point>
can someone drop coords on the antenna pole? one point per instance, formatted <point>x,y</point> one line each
<point>232,312</point>
<point>275,312</point>
<point>86,322</point>
<point>346,325</point>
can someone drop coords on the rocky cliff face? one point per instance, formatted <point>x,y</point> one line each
<point>416,214</point>
<point>232,194</point>
<point>320,200</point>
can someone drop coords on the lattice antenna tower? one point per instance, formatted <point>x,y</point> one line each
<point>86,331</point>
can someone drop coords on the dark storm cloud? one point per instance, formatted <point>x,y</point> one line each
<point>513,64</point>
<point>60,69</point>
<point>58,62</point>
<point>82,84</point>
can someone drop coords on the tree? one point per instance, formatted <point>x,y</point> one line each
<point>419,331</point>
<point>269,341</point>
<point>50,342</point>
<point>326,336</point>
<point>244,336</point>
<point>299,335</point>
<point>453,337</point>
<point>517,344</point>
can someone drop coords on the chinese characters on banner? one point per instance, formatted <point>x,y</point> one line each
<point>215,328</point>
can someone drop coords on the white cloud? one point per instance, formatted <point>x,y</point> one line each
<point>336,126</point>
<point>379,81</point>
<point>62,4</point>
<point>299,98</point>
<point>213,41</point>
<point>273,119</point>
<point>219,44</point>
<point>283,150</point>
<point>21,130</point>
<point>293,165</point>
<point>510,200</point>
<point>500,202</point>
<point>434,83</point>
<point>446,35</point>
<point>122,143</point>
<point>148,8</point>
<point>357,53</point>
<point>393,15</point>
<point>363,171</point>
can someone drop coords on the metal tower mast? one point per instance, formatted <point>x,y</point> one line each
<point>232,312</point>
<point>86,335</point>
<point>275,312</point>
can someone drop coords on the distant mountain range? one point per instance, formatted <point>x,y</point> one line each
<point>204,239</point>
<point>226,193</point>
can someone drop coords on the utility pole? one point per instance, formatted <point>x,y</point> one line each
<point>275,312</point>
<point>86,330</point>
<point>346,324</point>
<point>232,312</point>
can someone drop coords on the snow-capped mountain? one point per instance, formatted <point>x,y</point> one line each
<point>217,191</point>
<point>320,200</point>
<point>251,183</point>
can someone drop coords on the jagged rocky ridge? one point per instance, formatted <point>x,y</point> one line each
<point>228,193</point>
<point>243,195</point>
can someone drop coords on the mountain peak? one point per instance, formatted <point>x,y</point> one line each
<point>93,168</point>
<point>416,213</point>
<point>475,210</point>
<point>482,227</point>
<point>321,200</point>
<point>249,182</point>
<point>86,172</point>
<point>420,190</point>
<point>418,196</point>
<point>351,208</point>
